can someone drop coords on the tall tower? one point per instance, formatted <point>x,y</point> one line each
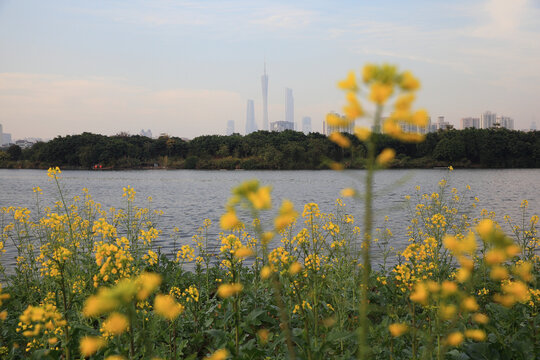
<point>230,127</point>
<point>289,105</point>
<point>306,125</point>
<point>1,135</point>
<point>264,83</point>
<point>250,118</point>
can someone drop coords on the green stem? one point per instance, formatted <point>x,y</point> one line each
<point>368,224</point>
<point>283,318</point>
<point>64,298</point>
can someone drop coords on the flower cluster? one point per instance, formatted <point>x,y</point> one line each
<point>114,261</point>
<point>42,323</point>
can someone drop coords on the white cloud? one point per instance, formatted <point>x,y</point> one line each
<point>502,18</point>
<point>283,17</point>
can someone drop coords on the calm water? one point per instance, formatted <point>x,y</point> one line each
<point>188,197</point>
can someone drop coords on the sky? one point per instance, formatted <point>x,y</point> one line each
<point>185,68</point>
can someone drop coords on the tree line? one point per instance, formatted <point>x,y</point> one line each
<point>487,148</point>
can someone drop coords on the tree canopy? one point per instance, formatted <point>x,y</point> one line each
<point>491,148</point>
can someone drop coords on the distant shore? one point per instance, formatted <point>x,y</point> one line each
<point>287,150</point>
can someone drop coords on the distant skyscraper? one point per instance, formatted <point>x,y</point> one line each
<point>281,126</point>
<point>306,125</point>
<point>250,118</point>
<point>505,122</point>
<point>6,139</point>
<point>230,127</point>
<point>470,122</point>
<point>264,83</point>
<point>488,120</point>
<point>1,136</point>
<point>533,126</point>
<point>441,124</point>
<point>289,106</point>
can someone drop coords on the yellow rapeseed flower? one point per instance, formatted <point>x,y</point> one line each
<point>148,283</point>
<point>499,273</point>
<point>475,334</point>
<point>523,270</point>
<point>404,102</point>
<point>99,304</point>
<point>409,82</point>
<point>495,256</point>
<point>340,139</point>
<point>229,220</point>
<point>228,290</point>
<point>420,118</point>
<point>469,304</point>
<point>165,306</point>
<point>295,268</point>
<point>349,83</point>
<point>115,357</point>
<point>353,109</point>
<point>348,192</point>
<point>518,290</point>
<point>53,172</point>
<point>334,120</point>
<point>220,354</point>
<point>485,227</point>
<point>380,92</point>
<point>463,275</point>
<point>243,252</point>
<point>368,72</point>
<point>286,215</point>
<point>261,199</point>
<point>397,329</point>
<point>362,133</point>
<point>448,287</point>
<point>89,345</point>
<point>480,318</point>
<point>266,271</point>
<point>454,339</point>
<point>336,166</point>
<point>386,156</point>
<point>420,293</point>
<point>116,324</point>
<point>267,237</point>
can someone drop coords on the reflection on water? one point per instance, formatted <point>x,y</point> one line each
<point>187,197</point>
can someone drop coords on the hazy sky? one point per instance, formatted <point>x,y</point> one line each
<point>186,67</point>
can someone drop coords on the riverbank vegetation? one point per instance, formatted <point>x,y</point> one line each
<point>493,148</point>
<point>94,283</point>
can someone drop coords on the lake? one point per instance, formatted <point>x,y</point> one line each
<point>187,197</point>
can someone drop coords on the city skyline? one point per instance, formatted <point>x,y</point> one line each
<point>70,67</point>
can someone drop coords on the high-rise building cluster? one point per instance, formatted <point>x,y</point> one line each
<point>488,120</point>
<point>441,124</point>
<point>5,138</point>
<point>287,123</point>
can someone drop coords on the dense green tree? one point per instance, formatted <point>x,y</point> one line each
<point>278,150</point>
<point>14,152</point>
